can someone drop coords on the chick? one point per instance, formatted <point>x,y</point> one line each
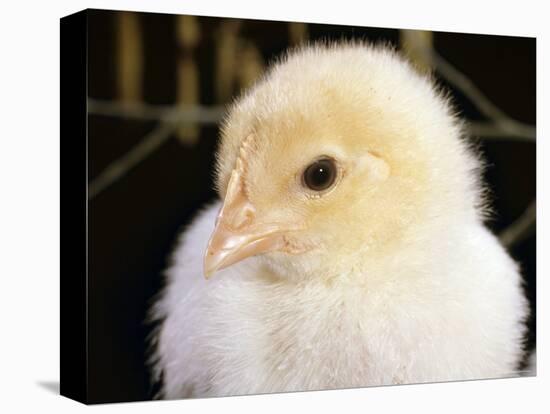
<point>349,248</point>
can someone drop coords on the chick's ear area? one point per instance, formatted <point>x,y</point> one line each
<point>374,166</point>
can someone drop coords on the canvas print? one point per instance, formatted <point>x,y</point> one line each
<point>288,206</point>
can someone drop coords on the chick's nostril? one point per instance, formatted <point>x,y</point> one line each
<point>242,217</point>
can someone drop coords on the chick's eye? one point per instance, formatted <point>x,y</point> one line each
<point>320,175</point>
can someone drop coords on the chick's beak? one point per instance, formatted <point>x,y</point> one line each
<point>239,232</point>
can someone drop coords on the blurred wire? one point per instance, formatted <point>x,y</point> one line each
<point>170,118</point>
<point>492,131</point>
<point>120,167</point>
<point>502,124</point>
<point>142,111</point>
<point>520,229</point>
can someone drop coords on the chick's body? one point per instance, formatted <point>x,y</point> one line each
<point>386,277</point>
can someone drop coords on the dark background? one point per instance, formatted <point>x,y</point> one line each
<point>134,222</point>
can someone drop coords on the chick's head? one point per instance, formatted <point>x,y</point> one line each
<point>340,154</point>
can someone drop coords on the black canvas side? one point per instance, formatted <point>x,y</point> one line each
<point>73,171</point>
